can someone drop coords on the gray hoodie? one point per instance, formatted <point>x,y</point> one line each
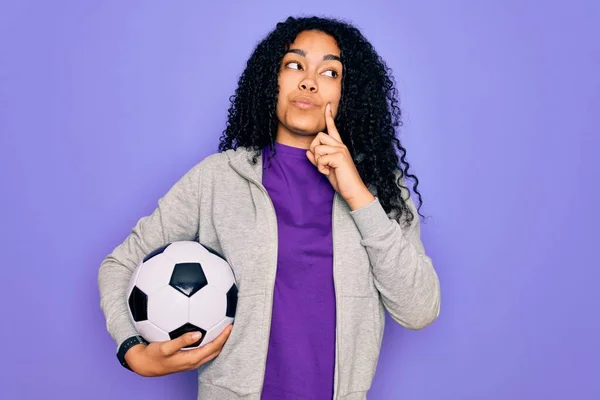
<point>378,265</point>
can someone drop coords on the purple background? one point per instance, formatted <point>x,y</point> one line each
<point>103,105</point>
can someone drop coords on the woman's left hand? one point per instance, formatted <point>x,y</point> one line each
<point>330,155</point>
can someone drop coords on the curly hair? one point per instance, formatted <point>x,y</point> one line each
<point>368,113</point>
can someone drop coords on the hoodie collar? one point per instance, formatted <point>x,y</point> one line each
<point>241,160</point>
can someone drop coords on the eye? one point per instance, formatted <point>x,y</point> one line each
<point>293,63</point>
<point>334,73</point>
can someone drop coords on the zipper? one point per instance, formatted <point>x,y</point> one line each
<point>337,304</point>
<point>270,318</point>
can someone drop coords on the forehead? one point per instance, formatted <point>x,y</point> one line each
<point>315,43</point>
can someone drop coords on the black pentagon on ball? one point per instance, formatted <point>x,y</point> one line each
<point>156,252</point>
<point>188,278</point>
<point>232,296</point>
<point>138,304</point>
<point>185,328</point>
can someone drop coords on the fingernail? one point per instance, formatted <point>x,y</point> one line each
<point>329,107</point>
<point>196,335</point>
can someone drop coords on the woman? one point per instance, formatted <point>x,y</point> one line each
<point>318,227</point>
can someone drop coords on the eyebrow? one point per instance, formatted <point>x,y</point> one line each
<point>326,57</point>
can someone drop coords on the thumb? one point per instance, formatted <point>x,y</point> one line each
<point>184,340</point>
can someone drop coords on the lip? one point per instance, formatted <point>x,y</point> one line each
<point>304,103</point>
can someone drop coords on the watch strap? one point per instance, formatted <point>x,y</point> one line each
<point>126,345</point>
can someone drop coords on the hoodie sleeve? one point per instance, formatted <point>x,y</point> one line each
<point>175,218</point>
<point>403,273</point>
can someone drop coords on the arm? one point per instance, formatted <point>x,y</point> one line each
<point>176,218</point>
<point>403,273</point>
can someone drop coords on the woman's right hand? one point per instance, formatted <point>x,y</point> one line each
<point>163,358</point>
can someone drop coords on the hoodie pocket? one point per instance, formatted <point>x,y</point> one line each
<point>239,366</point>
<point>360,343</point>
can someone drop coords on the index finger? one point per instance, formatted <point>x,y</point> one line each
<point>331,128</point>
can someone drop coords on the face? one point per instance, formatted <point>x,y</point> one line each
<point>310,76</point>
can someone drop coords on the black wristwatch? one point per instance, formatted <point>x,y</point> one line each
<point>126,345</point>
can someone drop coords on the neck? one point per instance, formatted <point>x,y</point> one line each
<point>301,141</point>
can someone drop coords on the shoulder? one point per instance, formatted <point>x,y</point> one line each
<point>224,157</point>
<point>219,162</point>
<point>213,160</point>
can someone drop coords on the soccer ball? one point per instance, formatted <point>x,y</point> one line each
<point>182,287</point>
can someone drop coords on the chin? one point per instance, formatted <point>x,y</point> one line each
<point>304,127</point>
<point>298,130</point>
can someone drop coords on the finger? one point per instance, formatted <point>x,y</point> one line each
<point>324,170</point>
<point>209,348</point>
<point>221,339</point>
<point>193,358</point>
<point>324,149</point>
<point>216,350</point>
<point>323,138</point>
<point>171,347</point>
<point>331,128</point>
<point>314,161</point>
<point>311,157</point>
<point>324,163</point>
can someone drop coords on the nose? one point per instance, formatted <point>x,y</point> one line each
<point>308,84</point>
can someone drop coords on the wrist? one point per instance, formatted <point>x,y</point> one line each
<point>360,199</point>
<point>133,352</point>
<point>138,361</point>
<point>125,353</point>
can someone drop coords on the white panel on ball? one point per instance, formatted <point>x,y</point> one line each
<point>218,272</point>
<point>155,274</point>
<point>185,251</point>
<point>168,308</point>
<point>151,332</point>
<point>207,307</point>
